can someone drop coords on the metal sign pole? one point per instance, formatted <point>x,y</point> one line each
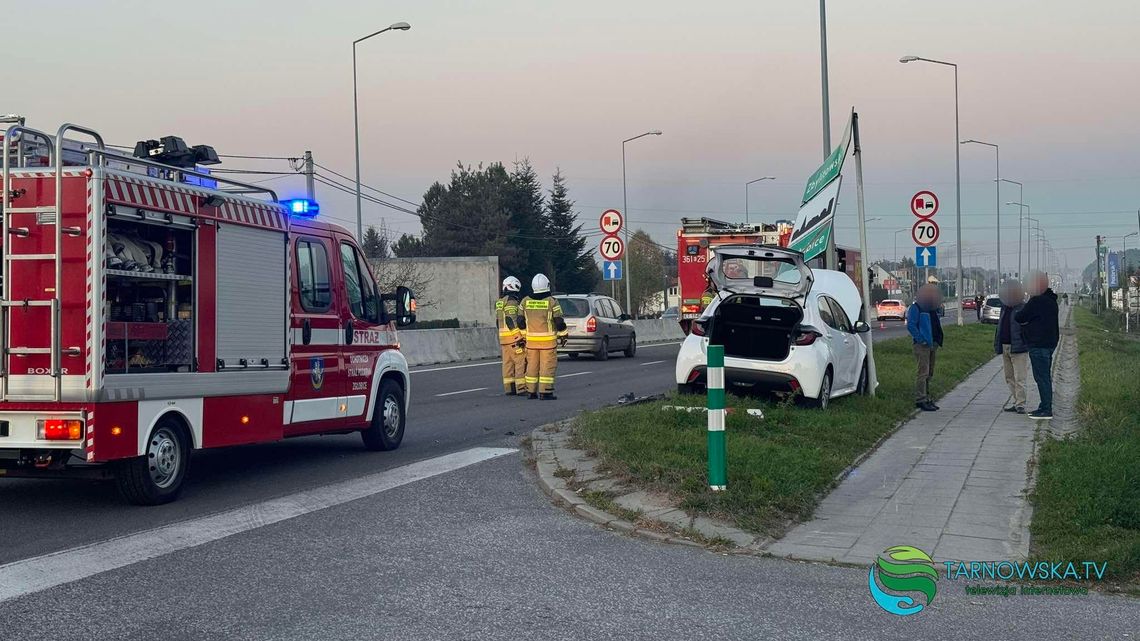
<point>872,380</point>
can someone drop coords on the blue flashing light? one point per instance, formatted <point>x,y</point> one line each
<point>302,207</point>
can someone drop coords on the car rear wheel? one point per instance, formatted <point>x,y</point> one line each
<point>824,393</point>
<point>156,477</point>
<point>572,356</point>
<point>603,352</point>
<point>631,350</point>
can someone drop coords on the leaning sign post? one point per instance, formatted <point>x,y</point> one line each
<point>718,456</point>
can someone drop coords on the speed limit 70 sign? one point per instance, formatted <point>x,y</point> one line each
<point>924,232</point>
<point>612,247</point>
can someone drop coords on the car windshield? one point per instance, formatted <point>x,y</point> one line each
<point>742,270</point>
<point>574,307</point>
<point>993,302</point>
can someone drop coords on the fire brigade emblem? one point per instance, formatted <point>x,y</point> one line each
<point>317,372</point>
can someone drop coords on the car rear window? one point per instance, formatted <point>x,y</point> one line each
<point>574,307</point>
<point>993,302</point>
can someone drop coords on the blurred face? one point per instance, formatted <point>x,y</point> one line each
<point>733,269</point>
<point>1012,294</point>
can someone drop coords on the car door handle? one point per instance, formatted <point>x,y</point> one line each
<point>348,332</point>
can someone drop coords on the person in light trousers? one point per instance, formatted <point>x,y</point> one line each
<point>1011,346</point>
<point>926,332</point>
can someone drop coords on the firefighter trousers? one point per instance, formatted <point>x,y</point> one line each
<point>514,369</point>
<point>540,367</point>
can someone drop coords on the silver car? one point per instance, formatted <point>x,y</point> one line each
<point>597,325</point>
<point>991,310</point>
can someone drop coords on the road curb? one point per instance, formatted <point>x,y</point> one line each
<point>565,473</point>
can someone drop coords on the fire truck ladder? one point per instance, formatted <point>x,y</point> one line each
<point>47,215</point>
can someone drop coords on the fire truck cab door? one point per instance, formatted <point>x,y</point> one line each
<point>317,390</point>
<point>367,332</point>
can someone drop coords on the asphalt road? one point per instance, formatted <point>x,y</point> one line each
<point>316,538</point>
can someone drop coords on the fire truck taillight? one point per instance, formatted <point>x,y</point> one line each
<point>57,429</point>
<point>591,324</point>
<point>690,309</point>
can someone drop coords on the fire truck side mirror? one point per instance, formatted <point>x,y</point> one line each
<point>405,307</point>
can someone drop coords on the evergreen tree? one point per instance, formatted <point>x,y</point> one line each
<point>409,246</point>
<point>375,243</point>
<point>572,263</point>
<point>525,202</point>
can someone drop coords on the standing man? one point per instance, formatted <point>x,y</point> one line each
<point>1009,343</point>
<point>542,320</point>
<point>926,331</point>
<point>1038,321</point>
<point>511,338</point>
<point>978,300</point>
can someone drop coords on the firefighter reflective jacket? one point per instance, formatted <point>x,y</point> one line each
<point>506,317</point>
<point>542,320</point>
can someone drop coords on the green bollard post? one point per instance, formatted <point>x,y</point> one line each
<point>718,464</point>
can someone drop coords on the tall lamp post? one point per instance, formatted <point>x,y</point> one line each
<point>746,194</point>
<point>823,77</point>
<point>1033,251</point>
<point>1020,199</point>
<point>625,212</point>
<point>1023,212</point>
<point>997,194</point>
<point>398,26</point>
<point>957,168</point>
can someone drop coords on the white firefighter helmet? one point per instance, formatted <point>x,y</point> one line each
<point>511,284</point>
<point>540,284</point>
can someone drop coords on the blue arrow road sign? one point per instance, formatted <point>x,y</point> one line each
<point>926,256</point>
<point>611,270</point>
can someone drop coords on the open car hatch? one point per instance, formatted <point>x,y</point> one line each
<point>760,269</point>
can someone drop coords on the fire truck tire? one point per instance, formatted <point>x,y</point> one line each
<point>156,477</point>
<point>387,428</point>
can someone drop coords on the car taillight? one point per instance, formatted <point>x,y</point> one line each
<point>55,429</point>
<point>697,327</point>
<point>591,324</point>
<point>807,338</point>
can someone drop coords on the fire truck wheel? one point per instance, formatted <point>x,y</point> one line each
<point>387,428</point>
<point>156,477</point>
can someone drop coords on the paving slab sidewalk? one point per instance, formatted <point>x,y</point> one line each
<point>952,483</point>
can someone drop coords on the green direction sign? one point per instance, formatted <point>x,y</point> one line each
<point>813,243</point>
<point>829,169</point>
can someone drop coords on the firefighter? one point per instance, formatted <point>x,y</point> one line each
<point>710,291</point>
<point>541,319</point>
<point>511,338</point>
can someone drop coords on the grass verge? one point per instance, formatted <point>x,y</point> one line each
<point>1087,501</point>
<point>779,466</point>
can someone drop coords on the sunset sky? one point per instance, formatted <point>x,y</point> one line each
<point>733,84</point>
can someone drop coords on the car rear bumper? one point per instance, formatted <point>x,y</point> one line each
<point>581,344</point>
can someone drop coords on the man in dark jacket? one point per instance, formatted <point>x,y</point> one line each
<point>978,300</point>
<point>1010,345</point>
<point>926,331</point>
<point>1038,321</point>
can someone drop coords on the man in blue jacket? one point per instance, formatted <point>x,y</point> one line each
<point>1009,343</point>
<point>926,331</point>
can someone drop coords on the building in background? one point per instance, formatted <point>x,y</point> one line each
<point>461,287</point>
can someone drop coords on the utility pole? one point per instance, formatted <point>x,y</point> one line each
<point>823,78</point>
<point>310,189</point>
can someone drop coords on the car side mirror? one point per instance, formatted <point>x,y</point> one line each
<point>405,307</point>
<point>862,327</point>
<point>624,317</point>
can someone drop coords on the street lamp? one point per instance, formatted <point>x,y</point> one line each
<point>1020,198</point>
<point>746,194</point>
<point>1036,249</point>
<point>1023,211</point>
<point>997,194</point>
<point>957,167</point>
<point>398,26</point>
<point>625,212</point>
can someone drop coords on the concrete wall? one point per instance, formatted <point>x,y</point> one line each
<point>463,287</point>
<point>431,346</point>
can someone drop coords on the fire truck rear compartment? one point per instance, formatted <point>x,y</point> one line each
<point>755,327</point>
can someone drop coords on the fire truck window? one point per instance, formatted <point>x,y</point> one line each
<point>313,272</point>
<point>368,287</point>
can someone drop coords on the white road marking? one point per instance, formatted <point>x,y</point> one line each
<point>640,346</point>
<point>653,363</point>
<point>66,566</point>
<point>574,374</point>
<point>463,391</point>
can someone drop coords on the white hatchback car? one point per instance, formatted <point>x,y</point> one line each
<point>784,326</point>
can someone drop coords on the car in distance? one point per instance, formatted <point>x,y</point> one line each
<point>597,326</point>
<point>672,314</point>
<point>969,303</point>
<point>784,327</point>
<point>890,308</point>
<point>991,310</point>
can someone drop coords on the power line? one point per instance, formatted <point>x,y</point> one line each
<point>379,191</point>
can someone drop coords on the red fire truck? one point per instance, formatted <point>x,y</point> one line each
<point>694,239</point>
<point>149,308</point>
